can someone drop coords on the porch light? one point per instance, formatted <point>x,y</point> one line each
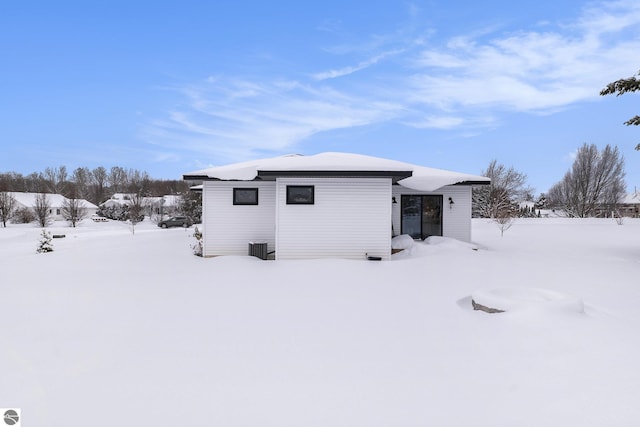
<point>451,202</point>
<point>395,202</point>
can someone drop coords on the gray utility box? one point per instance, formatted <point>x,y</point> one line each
<point>258,249</point>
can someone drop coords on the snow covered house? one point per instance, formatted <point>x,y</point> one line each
<point>160,205</point>
<point>627,206</point>
<point>330,205</point>
<point>630,205</point>
<point>56,203</point>
<point>117,200</point>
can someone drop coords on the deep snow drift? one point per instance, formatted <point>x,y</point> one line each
<point>119,329</point>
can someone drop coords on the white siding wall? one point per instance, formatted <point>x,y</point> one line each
<point>229,228</point>
<point>456,218</point>
<point>351,217</point>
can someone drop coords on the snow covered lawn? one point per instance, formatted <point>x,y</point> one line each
<point>116,329</point>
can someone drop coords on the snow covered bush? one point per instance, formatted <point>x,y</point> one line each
<point>402,242</point>
<point>23,216</point>
<point>197,246</point>
<point>617,216</point>
<point>45,244</point>
<point>119,213</point>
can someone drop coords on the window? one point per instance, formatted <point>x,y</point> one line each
<point>300,195</point>
<point>245,196</point>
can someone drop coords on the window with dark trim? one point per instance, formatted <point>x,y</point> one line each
<point>300,195</point>
<point>245,196</point>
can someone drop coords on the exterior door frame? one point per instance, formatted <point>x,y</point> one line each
<point>404,199</point>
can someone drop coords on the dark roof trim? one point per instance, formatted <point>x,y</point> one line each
<point>195,178</point>
<point>473,183</point>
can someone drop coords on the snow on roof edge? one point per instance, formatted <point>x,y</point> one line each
<point>422,179</point>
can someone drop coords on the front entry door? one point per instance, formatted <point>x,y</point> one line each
<point>421,216</point>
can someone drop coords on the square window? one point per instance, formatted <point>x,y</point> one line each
<point>300,195</point>
<point>245,196</point>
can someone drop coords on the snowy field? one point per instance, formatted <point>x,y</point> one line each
<point>115,329</point>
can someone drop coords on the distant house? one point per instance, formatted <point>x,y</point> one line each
<point>56,203</point>
<point>163,205</point>
<point>629,206</point>
<point>117,200</point>
<point>330,205</point>
<point>160,205</point>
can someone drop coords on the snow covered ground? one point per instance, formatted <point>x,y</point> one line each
<point>116,329</point>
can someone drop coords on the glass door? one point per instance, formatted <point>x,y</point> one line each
<point>421,216</point>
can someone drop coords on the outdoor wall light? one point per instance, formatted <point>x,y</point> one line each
<point>394,201</point>
<point>451,202</point>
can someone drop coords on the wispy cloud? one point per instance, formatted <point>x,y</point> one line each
<point>447,122</point>
<point>464,83</point>
<point>235,118</point>
<point>331,74</point>
<point>437,122</point>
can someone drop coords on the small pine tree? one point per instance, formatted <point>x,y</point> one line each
<point>45,244</point>
<point>197,247</point>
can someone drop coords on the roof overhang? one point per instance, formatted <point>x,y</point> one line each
<point>267,175</point>
<point>338,165</point>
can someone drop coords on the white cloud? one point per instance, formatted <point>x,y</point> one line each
<point>530,70</point>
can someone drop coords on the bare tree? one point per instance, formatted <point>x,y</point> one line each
<point>507,186</point>
<point>42,209</point>
<point>156,210</point>
<point>7,206</point>
<point>99,176</point>
<point>596,179</point>
<point>56,178</point>
<point>81,178</point>
<point>73,211</point>
<point>35,183</point>
<point>117,179</point>
<point>136,210</point>
<point>138,182</point>
<point>504,220</point>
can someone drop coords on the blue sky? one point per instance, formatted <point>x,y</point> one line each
<point>170,87</point>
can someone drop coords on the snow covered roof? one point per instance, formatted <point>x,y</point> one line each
<point>632,198</point>
<point>55,200</point>
<point>408,175</point>
<point>29,199</point>
<point>87,204</point>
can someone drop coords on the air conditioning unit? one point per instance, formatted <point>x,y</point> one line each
<point>258,249</point>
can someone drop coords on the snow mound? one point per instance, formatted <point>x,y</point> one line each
<point>450,242</point>
<point>405,247</point>
<point>498,300</point>
<point>403,241</point>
